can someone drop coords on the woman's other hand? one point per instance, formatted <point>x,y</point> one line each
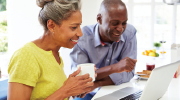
<point>92,88</point>
<point>76,85</point>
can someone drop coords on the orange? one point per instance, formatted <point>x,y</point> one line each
<point>143,53</point>
<point>150,51</point>
<point>146,51</point>
<point>163,52</point>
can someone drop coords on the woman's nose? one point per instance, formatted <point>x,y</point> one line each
<point>79,32</point>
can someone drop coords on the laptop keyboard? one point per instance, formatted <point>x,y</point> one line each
<point>134,96</point>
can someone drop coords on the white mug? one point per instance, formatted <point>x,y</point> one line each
<point>87,68</point>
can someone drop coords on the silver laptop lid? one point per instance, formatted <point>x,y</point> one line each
<point>159,81</point>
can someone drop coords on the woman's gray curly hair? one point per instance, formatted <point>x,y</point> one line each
<point>56,10</point>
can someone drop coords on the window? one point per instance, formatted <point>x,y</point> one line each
<point>3,36</point>
<point>3,27</point>
<point>125,1</point>
<point>158,0</point>
<point>163,24</point>
<point>142,22</point>
<point>142,1</point>
<point>154,21</point>
<point>178,26</point>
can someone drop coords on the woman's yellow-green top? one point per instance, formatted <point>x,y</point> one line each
<point>33,66</point>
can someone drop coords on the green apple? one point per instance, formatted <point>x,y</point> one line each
<point>157,55</point>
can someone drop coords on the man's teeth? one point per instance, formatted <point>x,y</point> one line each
<point>74,40</point>
<point>116,34</point>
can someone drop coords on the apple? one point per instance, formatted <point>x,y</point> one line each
<point>154,50</point>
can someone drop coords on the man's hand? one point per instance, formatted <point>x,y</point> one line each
<point>126,64</point>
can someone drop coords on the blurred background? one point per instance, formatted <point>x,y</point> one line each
<point>155,21</point>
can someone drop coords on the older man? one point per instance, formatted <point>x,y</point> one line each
<point>110,44</point>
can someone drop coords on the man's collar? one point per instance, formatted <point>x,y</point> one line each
<point>122,38</point>
<point>97,40</point>
<point>97,37</point>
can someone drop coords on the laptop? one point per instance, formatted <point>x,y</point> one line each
<point>155,88</point>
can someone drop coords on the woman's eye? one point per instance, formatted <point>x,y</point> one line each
<point>74,28</point>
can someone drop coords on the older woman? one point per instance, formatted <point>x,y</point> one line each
<point>36,69</point>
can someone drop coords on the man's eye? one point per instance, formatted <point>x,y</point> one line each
<point>124,23</point>
<point>115,23</point>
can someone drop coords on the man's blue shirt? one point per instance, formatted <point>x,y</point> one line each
<point>89,49</point>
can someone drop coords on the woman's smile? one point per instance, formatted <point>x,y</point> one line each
<point>74,41</point>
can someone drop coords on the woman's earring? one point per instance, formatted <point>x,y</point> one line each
<point>53,32</point>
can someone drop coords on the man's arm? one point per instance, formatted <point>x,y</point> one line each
<point>103,82</point>
<point>103,73</point>
<point>125,65</point>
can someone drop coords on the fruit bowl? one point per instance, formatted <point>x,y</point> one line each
<point>151,53</point>
<point>149,58</point>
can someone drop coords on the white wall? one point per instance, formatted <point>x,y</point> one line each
<point>90,10</point>
<point>23,25</point>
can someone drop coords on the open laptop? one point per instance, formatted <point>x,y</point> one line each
<point>155,88</point>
